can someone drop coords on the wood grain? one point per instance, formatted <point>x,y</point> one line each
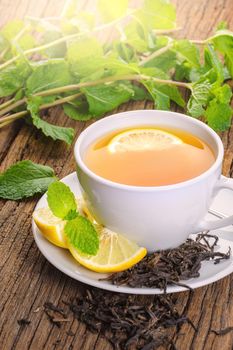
<point>28,280</point>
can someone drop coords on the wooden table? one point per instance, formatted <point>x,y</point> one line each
<point>28,280</point>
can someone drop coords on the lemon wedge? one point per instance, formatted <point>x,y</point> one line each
<point>50,226</point>
<point>143,139</point>
<point>116,253</point>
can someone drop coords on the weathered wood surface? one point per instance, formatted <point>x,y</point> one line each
<point>28,280</point>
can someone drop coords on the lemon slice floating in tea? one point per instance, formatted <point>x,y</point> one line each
<point>143,139</point>
<point>50,226</point>
<point>116,253</point>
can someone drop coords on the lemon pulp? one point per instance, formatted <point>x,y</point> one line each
<point>143,139</point>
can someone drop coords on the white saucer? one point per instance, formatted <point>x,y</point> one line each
<point>63,260</point>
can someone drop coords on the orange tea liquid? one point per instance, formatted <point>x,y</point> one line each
<point>150,167</point>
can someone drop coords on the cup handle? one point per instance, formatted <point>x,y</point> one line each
<point>223,182</point>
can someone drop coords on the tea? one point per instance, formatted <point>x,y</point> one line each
<point>149,156</point>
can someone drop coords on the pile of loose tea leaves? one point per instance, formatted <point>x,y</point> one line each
<point>170,267</point>
<point>129,322</point>
<point>139,322</point>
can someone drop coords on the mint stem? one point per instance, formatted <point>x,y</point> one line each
<point>9,107</point>
<point>61,40</point>
<point>8,119</point>
<point>7,103</point>
<point>82,85</point>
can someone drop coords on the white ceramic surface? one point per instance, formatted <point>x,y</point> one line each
<point>155,217</point>
<point>63,260</point>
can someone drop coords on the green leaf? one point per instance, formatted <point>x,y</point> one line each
<point>111,10</point>
<point>84,56</point>
<point>162,93</point>
<point>199,98</point>
<point>48,75</point>
<point>222,93</point>
<point>162,101</point>
<point>12,78</point>
<point>140,94</point>
<point>165,62</point>
<point>12,28</point>
<point>56,51</point>
<point>53,131</point>
<point>104,98</point>
<point>183,71</point>
<point>124,52</point>
<point>218,115</point>
<point>187,51</point>
<point>76,113</point>
<point>223,42</point>
<point>61,200</point>
<point>157,14</point>
<point>82,235</point>
<point>136,36</point>
<point>26,42</point>
<point>212,61</point>
<point>24,179</point>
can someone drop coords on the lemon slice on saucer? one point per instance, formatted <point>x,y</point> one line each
<point>143,139</point>
<point>116,253</point>
<point>50,226</point>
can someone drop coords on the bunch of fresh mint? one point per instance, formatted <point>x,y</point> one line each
<point>89,77</point>
<point>79,230</point>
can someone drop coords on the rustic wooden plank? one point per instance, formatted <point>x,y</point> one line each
<point>28,280</point>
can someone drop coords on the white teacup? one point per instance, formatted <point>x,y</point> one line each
<point>159,217</point>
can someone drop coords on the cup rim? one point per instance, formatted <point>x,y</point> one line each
<point>117,185</point>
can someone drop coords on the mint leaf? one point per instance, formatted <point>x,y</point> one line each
<point>157,14</point>
<point>61,200</point>
<point>11,29</point>
<point>218,115</point>
<point>53,131</point>
<point>223,41</point>
<point>162,101</point>
<point>222,93</point>
<point>82,235</point>
<point>111,10</point>
<point>84,55</point>
<point>104,98</point>
<point>187,51</point>
<point>24,179</point>
<point>76,113</point>
<point>26,42</point>
<point>199,98</point>
<point>12,78</point>
<point>48,75</point>
<point>136,36</point>
<point>57,50</point>
<point>164,62</point>
<point>161,93</point>
<point>140,94</point>
<point>212,61</point>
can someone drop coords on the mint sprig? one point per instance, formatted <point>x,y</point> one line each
<point>79,230</point>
